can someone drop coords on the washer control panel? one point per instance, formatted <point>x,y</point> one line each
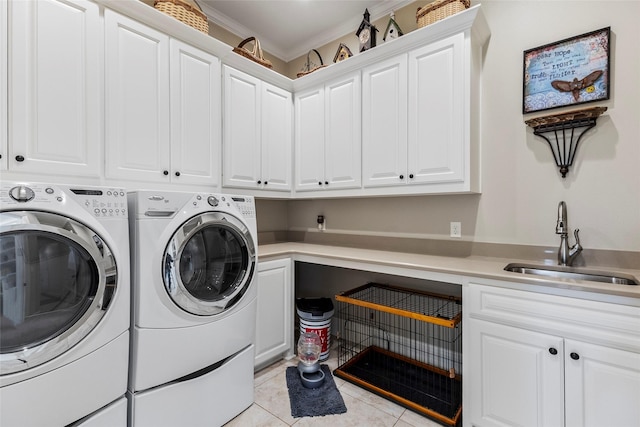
<point>99,202</point>
<point>245,205</point>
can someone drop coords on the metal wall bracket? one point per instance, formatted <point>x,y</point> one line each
<point>564,131</point>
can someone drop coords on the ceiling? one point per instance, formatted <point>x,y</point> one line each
<point>288,29</point>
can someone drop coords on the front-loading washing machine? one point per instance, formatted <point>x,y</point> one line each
<point>64,304</point>
<point>193,260</point>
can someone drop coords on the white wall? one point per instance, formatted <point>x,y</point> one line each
<point>520,182</point>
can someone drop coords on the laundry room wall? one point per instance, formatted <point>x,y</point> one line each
<point>521,186</point>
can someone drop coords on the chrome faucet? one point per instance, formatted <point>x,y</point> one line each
<point>566,254</point>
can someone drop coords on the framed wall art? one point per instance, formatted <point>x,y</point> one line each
<point>568,72</point>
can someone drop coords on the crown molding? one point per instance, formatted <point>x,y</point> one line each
<point>376,12</point>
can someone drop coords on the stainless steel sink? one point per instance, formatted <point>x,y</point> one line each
<point>560,272</point>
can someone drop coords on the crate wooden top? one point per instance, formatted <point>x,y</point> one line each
<point>433,308</point>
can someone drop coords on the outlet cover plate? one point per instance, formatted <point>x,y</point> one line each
<point>456,229</point>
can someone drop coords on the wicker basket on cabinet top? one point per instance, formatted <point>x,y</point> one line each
<point>186,11</point>
<point>438,10</point>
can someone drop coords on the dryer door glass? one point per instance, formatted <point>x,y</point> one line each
<point>209,264</point>
<point>51,277</point>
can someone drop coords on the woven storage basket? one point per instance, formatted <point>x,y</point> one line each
<point>309,66</point>
<point>186,11</point>
<point>438,10</point>
<point>255,54</point>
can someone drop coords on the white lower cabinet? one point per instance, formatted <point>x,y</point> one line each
<point>274,320</point>
<point>541,360</point>
<point>515,380</point>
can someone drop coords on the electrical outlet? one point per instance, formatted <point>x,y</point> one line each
<point>456,229</point>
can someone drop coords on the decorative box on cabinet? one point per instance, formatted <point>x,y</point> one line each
<point>54,103</point>
<point>328,136</point>
<point>162,105</point>
<point>274,318</point>
<point>535,359</point>
<point>257,133</point>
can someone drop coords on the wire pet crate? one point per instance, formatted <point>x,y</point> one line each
<point>403,344</point>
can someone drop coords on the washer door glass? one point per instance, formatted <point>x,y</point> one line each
<point>57,277</point>
<point>209,263</point>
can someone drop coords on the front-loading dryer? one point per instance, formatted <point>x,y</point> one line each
<point>193,259</point>
<point>64,303</point>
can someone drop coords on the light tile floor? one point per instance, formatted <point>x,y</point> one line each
<point>271,406</point>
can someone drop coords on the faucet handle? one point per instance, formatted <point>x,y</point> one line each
<point>575,234</point>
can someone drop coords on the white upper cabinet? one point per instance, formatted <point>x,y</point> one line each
<point>195,115</point>
<point>277,138</point>
<point>257,133</point>
<point>419,116</point>
<point>162,105</point>
<point>384,123</point>
<point>3,85</point>
<point>439,142</point>
<point>414,109</point>
<point>328,136</point>
<point>55,99</point>
<point>309,139</point>
<point>137,101</point>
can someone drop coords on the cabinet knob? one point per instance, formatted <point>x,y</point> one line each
<point>401,176</point>
<point>165,173</point>
<point>259,182</point>
<point>265,183</point>
<point>553,351</point>
<point>411,176</point>
<point>19,158</point>
<point>574,356</point>
<point>326,183</point>
<point>319,182</point>
<point>177,173</point>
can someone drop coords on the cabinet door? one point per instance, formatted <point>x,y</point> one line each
<point>277,110</point>
<point>438,124</point>
<point>241,142</point>
<point>309,140</point>
<point>384,123</point>
<point>514,377</point>
<point>274,319</point>
<point>55,97</point>
<point>343,141</point>
<point>137,100</point>
<point>3,85</point>
<point>602,386</point>
<point>195,115</point>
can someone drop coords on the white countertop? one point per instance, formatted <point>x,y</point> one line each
<point>451,269</point>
